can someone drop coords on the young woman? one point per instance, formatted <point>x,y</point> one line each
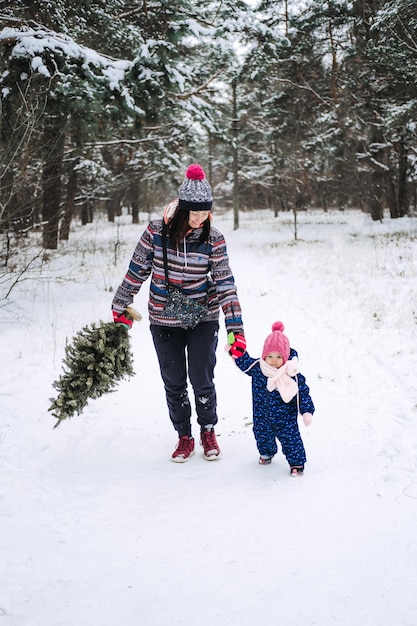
<point>186,258</point>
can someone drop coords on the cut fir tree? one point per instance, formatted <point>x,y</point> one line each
<point>98,357</point>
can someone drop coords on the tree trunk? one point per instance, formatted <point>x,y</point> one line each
<point>8,204</point>
<point>53,141</point>
<point>9,143</point>
<point>134,201</point>
<point>69,203</point>
<point>110,209</point>
<point>377,210</point>
<point>87,211</point>
<point>403,198</point>
<point>391,196</point>
<point>113,205</point>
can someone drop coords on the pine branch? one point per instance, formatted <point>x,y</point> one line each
<point>185,96</point>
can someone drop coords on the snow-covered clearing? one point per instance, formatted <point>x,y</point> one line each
<point>97,526</point>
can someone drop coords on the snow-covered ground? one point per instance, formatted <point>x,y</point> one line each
<point>97,526</point>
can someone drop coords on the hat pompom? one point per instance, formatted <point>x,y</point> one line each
<point>195,172</point>
<point>278,326</point>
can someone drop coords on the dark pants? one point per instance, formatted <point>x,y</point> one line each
<point>267,430</point>
<point>190,351</point>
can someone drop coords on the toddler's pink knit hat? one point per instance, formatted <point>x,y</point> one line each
<point>277,342</point>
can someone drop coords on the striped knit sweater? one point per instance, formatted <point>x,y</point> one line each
<point>202,272</point>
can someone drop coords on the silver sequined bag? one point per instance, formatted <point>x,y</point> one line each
<point>184,309</point>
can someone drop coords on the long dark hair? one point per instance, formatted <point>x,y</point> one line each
<point>179,227</point>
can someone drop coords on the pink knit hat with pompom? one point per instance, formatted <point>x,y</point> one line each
<point>277,342</point>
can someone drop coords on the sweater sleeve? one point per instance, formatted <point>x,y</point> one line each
<point>222,276</point>
<point>306,403</point>
<point>245,363</point>
<point>139,269</point>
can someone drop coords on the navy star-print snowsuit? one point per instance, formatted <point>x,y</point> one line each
<point>272,417</point>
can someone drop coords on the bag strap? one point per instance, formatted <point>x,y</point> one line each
<point>165,255</point>
<point>164,251</point>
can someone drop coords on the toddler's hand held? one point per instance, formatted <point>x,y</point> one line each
<point>237,345</point>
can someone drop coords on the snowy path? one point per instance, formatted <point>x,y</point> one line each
<point>98,527</point>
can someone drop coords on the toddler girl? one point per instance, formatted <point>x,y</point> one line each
<point>279,394</point>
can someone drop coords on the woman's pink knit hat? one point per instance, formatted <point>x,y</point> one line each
<point>277,342</point>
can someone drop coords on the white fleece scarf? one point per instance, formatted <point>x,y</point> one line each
<point>280,378</point>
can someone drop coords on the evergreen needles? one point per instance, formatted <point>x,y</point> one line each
<point>96,360</point>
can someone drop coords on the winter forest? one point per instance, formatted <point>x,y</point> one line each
<point>303,115</point>
<point>287,105</point>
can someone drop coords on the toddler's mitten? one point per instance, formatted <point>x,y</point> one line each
<point>292,366</point>
<point>120,318</point>
<point>237,345</point>
<point>307,419</point>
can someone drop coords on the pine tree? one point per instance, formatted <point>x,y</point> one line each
<point>392,51</point>
<point>98,357</point>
